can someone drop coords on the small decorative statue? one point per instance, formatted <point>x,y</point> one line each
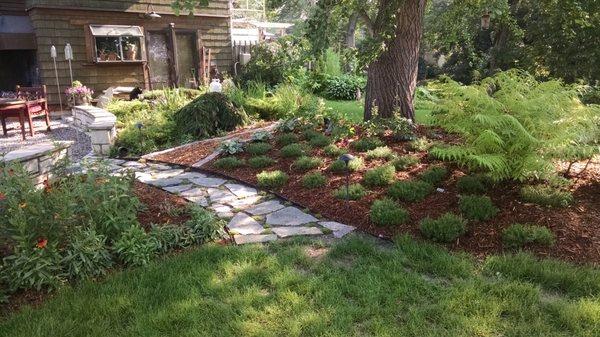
<point>215,85</point>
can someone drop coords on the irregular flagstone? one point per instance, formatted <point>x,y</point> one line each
<point>284,232</point>
<point>254,238</point>
<point>159,167</point>
<point>134,164</point>
<point>194,192</point>
<point>164,182</point>
<point>208,181</point>
<point>115,161</point>
<point>220,196</point>
<point>200,200</point>
<point>192,175</point>
<point>167,174</point>
<point>241,191</point>
<point>178,188</point>
<point>339,230</point>
<point>143,176</point>
<point>265,207</point>
<point>244,224</point>
<point>223,211</point>
<point>289,216</point>
<point>245,202</point>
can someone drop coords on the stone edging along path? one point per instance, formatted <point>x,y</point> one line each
<point>253,215</point>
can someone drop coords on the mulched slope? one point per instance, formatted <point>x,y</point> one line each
<point>577,228</point>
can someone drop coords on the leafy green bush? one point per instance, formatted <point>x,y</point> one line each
<point>293,151</point>
<point>272,179</point>
<point>314,180</point>
<point>204,225</point>
<point>320,141</point>
<point>342,87</point>
<point>305,163</point>
<point>135,247</point>
<point>232,146</point>
<point>287,100</point>
<point>261,137</point>
<point>434,175</point>
<point>354,192</point>
<point>286,139</point>
<point>411,190</point>
<point>208,115</point>
<point>168,237</point>
<point>405,162</point>
<point>128,111</point>
<point>546,196</point>
<point>446,228</point>
<point>477,207</point>
<point>86,255</point>
<point>385,212</point>
<point>366,144</point>
<point>382,152</point>
<point>474,184</point>
<point>333,151</point>
<point>339,166</point>
<point>260,162</point>
<point>518,235</point>
<point>257,149</point>
<point>381,176</point>
<point>420,144</point>
<point>228,163</point>
<point>32,268</point>
<point>311,133</point>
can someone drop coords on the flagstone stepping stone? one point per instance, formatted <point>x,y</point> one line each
<point>134,164</point>
<point>265,207</point>
<point>116,161</point>
<point>200,200</point>
<point>159,167</point>
<point>208,182</point>
<point>339,230</point>
<point>164,182</point>
<point>143,176</point>
<point>220,196</point>
<point>194,192</point>
<point>241,191</point>
<point>289,216</point>
<point>245,202</point>
<point>244,224</point>
<point>192,175</point>
<point>254,238</point>
<point>178,188</point>
<point>221,208</point>
<point>167,174</point>
<point>284,232</point>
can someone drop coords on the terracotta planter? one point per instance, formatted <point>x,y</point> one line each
<point>112,56</point>
<point>130,54</point>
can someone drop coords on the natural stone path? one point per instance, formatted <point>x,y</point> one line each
<point>253,216</point>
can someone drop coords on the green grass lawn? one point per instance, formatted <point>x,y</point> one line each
<point>353,111</point>
<point>306,288</point>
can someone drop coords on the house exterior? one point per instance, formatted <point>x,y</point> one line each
<point>114,43</point>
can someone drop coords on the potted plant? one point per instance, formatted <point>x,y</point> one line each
<point>130,51</point>
<point>78,94</point>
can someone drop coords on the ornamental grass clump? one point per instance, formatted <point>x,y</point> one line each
<point>410,190</point>
<point>366,144</point>
<point>306,163</point>
<point>257,149</point>
<point>476,207</point>
<point>381,176</point>
<point>228,163</point>
<point>272,179</point>
<point>405,162</point>
<point>382,152</point>
<point>319,141</point>
<point>434,175</point>
<point>387,213</point>
<point>314,180</point>
<point>286,139</point>
<point>354,192</point>
<point>518,235</point>
<point>261,162</point>
<point>293,151</point>
<point>474,184</point>
<point>339,166</point>
<point>546,196</point>
<point>334,151</point>
<point>446,228</point>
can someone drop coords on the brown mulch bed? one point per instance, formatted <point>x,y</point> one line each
<point>577,228</point>
<point>193,153</point>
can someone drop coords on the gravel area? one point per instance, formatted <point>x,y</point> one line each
<point>60,131</point>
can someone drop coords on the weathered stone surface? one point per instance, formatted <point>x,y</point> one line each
<point>220,196</point>
<point>134,164</point>
<point>221,208</point>
<point>245,202</point>
<point>164,182</point>
<point>143,176</point>
<point>192,175</point>
<point>289,216</point>
<point>178,188</point>
<point>116,161</point>
<point>260,238</point>
<point>241,191</point>
<point>265,207</point>
<point>200,200</point>
<point>283,232</point>
<point>243,224</point>
<point>194,192</point>
<point>159,167</point>
<point>339,230</point>
<point>208,182</point>
<point>167,174</point>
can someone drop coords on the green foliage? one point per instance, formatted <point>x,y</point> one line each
<point>366,144</point>
<point>272,179</point>
<point>310,133</point>
<point>354,192</point>
<point>474,184</point>
<point>260,162</point>
<point>477,207</point>
<point>387,213</point>
<point>169,237</point>
<point>420,144</point>
<point>228,163</point>
<point>286,139</point>
<point>339,166</point>
<point>334,151</point>
<point>380,176</point>
<point>258,148</point>
<point>128,111</point>
<point>232,146</point>
<point>410,190</point>
<point>514,126</point>
<point>434,175</point>
<point>446,228</point>
<point>86,255</point>
<point>341,87</point>
<point>320,141</point>
<point>261,136</point>
<point>518,235</point>
<point>314,180</point>
<point>305,163</point>
<point>287,100</point>
<point>135,247</point>
<point>405,162</point>
<point>293,150</point>
<point>32,268</point>
<point>382,152</point>
<point>208,115</point>
<point>546,196</point>
<point>204,225</point>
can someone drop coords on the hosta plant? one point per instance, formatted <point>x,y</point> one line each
<point>260,136</point>
<point>232,146</point>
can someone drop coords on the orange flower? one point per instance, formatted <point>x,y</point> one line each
<point>42,242</point>
<point>47,187</point>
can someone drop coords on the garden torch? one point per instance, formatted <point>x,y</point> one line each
<point>69,57</point>
<point>53,56</point>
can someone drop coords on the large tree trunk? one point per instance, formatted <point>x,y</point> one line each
<point>351,31</point>
<point>392,77</point>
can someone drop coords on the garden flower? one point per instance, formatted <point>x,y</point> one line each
<point>2,196</point>
<point>42,243</point>
<point>23,205</point>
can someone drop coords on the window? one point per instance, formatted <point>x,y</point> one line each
<point>117,43</point>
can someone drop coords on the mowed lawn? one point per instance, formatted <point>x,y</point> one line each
<point>353,111</point>
<point>307,288</point>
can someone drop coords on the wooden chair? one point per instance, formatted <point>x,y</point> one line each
<point>37,104</point>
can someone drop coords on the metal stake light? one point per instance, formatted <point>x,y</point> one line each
<point>53,56</point>
<point>69,57</point>
<point>347,158</point>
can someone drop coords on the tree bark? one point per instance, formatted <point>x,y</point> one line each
<point>392,77</point>
<point>351,31</point>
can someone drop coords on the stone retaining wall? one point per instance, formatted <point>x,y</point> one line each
<point>39,159</point>
<point>99,124</point>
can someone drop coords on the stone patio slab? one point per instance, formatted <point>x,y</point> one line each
<point>254,238</point>
<point>243,224</point>
<point>194,192</point>
<point>284,232</point>
<point>164,182</point>
<point>339,230</point>
<point>178,188</point>
<point>241,191</point>
<point>208,182</point>
<point>245,202</point>
<point>289,216</point>
<point>265,207</point>
<point>200,200</point>
<point>220,196</point>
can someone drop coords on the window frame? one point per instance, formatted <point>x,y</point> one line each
<point>140,38</point>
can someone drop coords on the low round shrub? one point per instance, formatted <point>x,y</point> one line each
<point>434,175</point>
<point>474,184</point>
<point>257,149</point>
<point>420,144</point>
<point>405,162</point>
<point>86,255</point>
<point>309,134</point>
<point>135,247</point>
<point>341,87</point>
<point>410,190</point>
<point>314,180</point>
<point>546,196</point>
<point>293,151</point>
<point>518,235</point>
<point>228,163</point>
<point>286,139</point>
<point>354,165</point>
<point>320,141</point>
<point>446,228</point>
<point>381,176</point>
<point>476,207</point>
<point>386,212</point>
<point>306,163</point>
<point>168,237</point>
<point>272,179</point>
<point>260,162</point>
<point>366,144</point>
<point>32,268</point>
<point>333,150</point>
<point>382,152</point>
<point>354,192</point>
<point>204,225</point>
